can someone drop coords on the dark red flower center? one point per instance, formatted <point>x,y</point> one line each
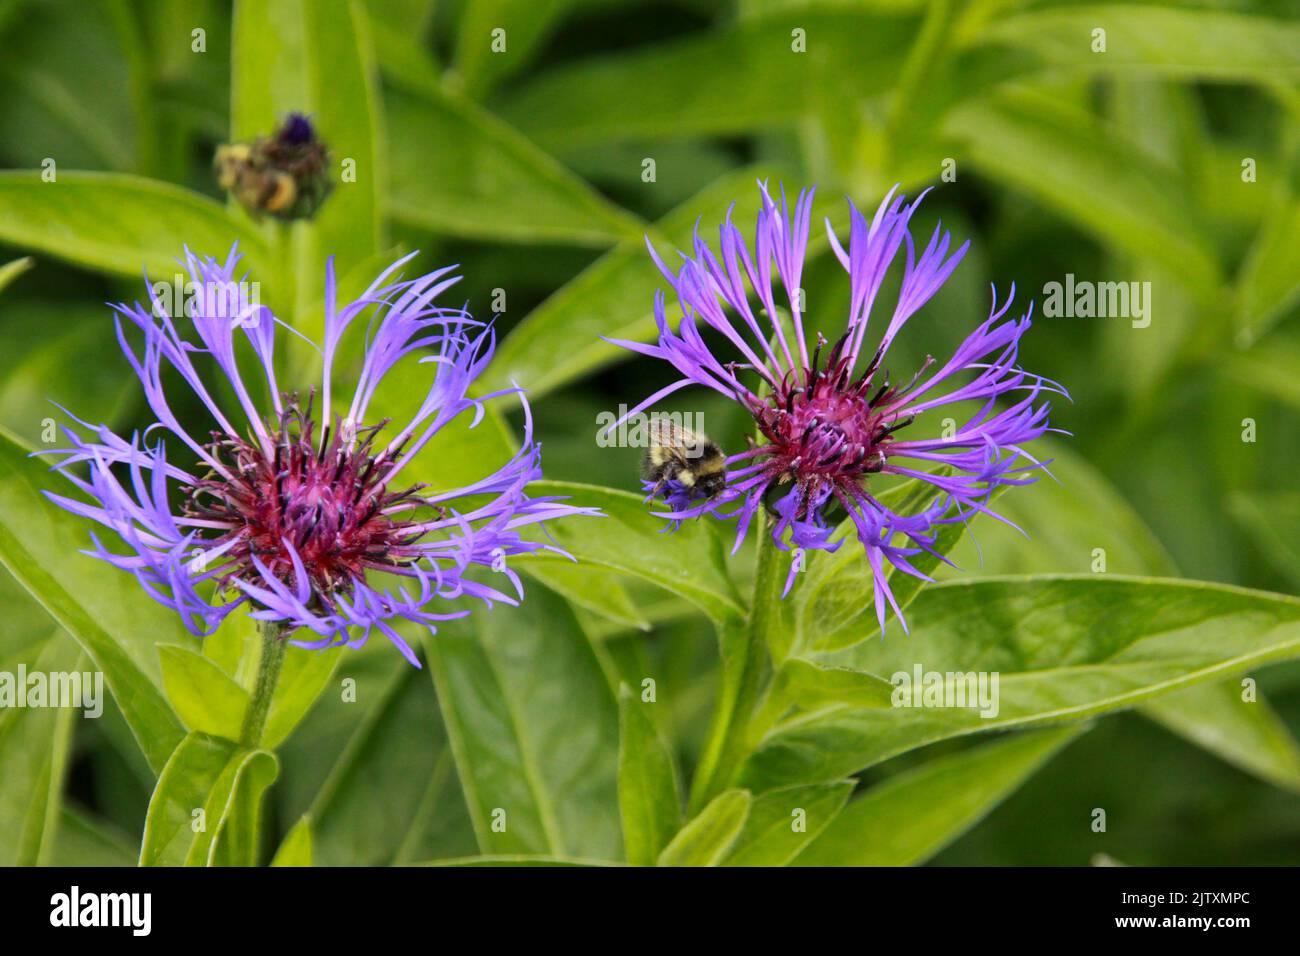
<point>328,499</point>
<point>826,429</point>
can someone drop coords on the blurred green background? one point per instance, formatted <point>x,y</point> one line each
<point>1170,158</point>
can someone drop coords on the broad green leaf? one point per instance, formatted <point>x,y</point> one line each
<point>114,621</point>
<point>649,796</point>
<point>533,727</point>
<point>1084,170</point>
<point>119,224</point>
<point>43,340</point>
<point>34,744</point>
<point>295,849</point>
<point>64,91</point>
<point>630,540</point>
<point>303,676</point>
<point>561,340</point>
<point>205,807</point>
<point>1166,120</point>
<point>808,685</point>
<point>457,170</point>
<point>1271,367</point>
<point>782,822</point>
<point>1269,284</point>
<point>1066,517</point>
<point>1246,733</point>
<point>12,270</point>
<point>527,24</point>
<point>733,80</point>
<point>82,841</point>
<point>591,589</point>
<point>517,859</point>
<point>1062,647</point>
<point>400,29</point>
<point>204,696</point>
<point>912,815</point>
<point>705,840</point>
<point>375,740</point>
<point>1272,520</point>
<point>1191,44</point>
<point>1072,521</point>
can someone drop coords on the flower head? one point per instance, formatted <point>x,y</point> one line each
<point>285,175</point>
<point>297,510</point>
<point>830,417</point>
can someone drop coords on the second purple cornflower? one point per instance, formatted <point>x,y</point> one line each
<point>830,417</point>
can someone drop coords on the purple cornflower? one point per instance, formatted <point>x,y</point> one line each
<point>830,427</point>
<point>287,519</point>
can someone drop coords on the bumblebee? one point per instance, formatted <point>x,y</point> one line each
<point>285,175</point>
<point>680,455</point>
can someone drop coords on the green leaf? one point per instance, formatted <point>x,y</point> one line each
<point>377,741</point>
<point>1086,171</point>
<point>835,606</point>
<point>583,586</point>
<point>205,698</point>
<point>533,727</point>
<point>1269,284</point>
<point>295,849</point>
<point>705,840</point>
<point>294,55</point>
<point>1246,733</point>
<point>115,622</point>
<point>913,815</point>
<point>808,685</point>
<point>83,841</point>
<point>527,25</point>
<point>34,747</point>
<point>1063,647</point>
<point>517,859</point>
<point>630,540</point>
<point>12,270</point>
<point>119,224</point>
<point>459,171</point>
<point>560,340</point>
<point>732,80</point>
<point>1190,44</point>
<point>1272,520</point>
<point>649,795</point>
<point>303,677</point>
<point>226,783</point>
<point>1067,520</point>
<point>45,339</point>
<point>782,822</point>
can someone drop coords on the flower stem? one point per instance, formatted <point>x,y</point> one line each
<point>746,664</point>
<point>268,675</point>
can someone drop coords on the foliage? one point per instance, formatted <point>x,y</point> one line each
<point>657,702</point>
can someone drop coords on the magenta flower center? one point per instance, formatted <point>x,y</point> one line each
<point>825,429</point>
<point>329,500</point>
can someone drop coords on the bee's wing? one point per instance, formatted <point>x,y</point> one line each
<point>665,431</point>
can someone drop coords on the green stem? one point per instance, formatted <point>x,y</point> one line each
<point>268,675</point>
<point>746,663</point>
